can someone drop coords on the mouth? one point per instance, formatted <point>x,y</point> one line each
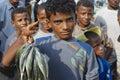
<point>66,33</point>
<point>23,26</point>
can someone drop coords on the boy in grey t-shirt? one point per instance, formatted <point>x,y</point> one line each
<point>67,57</point>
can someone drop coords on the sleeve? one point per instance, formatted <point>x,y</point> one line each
<point>92,67</point>
<point>7,70</point>
<point>108,71</point>
<point>1,18</point>
<point>99,21</point>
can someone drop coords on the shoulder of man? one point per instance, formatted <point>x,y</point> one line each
<point>86,46</point>
<point>42,39</point>
<point>21,4</point>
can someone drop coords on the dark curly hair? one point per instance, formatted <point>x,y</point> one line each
<point>85,3</point>
<point>19,10</point>
<point>62,6</point>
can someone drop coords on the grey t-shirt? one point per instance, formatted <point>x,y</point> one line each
<point>69,60</point>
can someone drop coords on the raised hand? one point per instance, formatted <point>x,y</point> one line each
<point>28,31</point>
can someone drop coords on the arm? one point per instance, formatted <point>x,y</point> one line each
<point>108,45</point>
<point>11,52</point>
<point>108,52</point>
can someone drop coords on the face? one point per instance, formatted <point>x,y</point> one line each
<point>62,25</point>
<point>21,20</point>
<point>84,15</point>
<point>113,4</point>
<point>14,2</point>
<point>97,45</point>
<point>119,20</point>
<point>43,20</point>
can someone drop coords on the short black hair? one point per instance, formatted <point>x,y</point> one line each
<point>91,35</point>
<point>85,3</point>
<point>41,6</point>
<point>62,6</point>
<point>19,10</point>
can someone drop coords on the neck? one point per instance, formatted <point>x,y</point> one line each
<point>113,8</point>
<point>46,31</point>
<point>81,25</point>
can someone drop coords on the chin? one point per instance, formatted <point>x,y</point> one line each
<point>66,38</point>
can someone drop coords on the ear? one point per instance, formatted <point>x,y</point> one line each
<point>49,24</point>
<point>37,17</point>
<point>12,22</point>
<point>76,12</point>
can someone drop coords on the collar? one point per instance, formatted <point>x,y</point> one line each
<point>9,5</point>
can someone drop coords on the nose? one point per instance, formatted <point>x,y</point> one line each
<point>24,22</point>
<point>15,0</point>
<point>86,15</point>
<point>65,25</point>
<point>101,47</point>
<point>45,21</point>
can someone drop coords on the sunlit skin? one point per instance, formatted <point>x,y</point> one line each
<point>97,45</point>
<point>62,25</point>
<point>84,15</point>
<point>21,20</point>
<point>41,16</point>
<point>14,2</point>
<point>113,4</point>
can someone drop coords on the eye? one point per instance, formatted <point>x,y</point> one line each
<point>57,22</point>
<point>98,45</point>
<point>19,20</point>
<point>70,19</point>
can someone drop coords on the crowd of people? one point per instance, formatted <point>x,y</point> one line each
<point>78,43</point>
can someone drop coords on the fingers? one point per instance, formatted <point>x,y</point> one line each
<point>34,24</point>
<point>30,39</point>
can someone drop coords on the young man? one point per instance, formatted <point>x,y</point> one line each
<point>84,12</point>
<point>68,58</point>
<point>93,38</point>
<point>44,29</point>
<point>20,18</point>
<point>6,28</point>
<point>109,14</point>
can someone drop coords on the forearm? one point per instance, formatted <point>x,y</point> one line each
<point>11,52</point>
<point>108,53</point>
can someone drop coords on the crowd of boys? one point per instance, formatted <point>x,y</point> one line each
<point>60,32</point>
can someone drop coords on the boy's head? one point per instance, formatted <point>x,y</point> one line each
<point>95,41</point>
<point>61,16</point>
<point>20,18</point>
<point>113,4</point>
<point>84,12</point>
<point>41,16</point>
